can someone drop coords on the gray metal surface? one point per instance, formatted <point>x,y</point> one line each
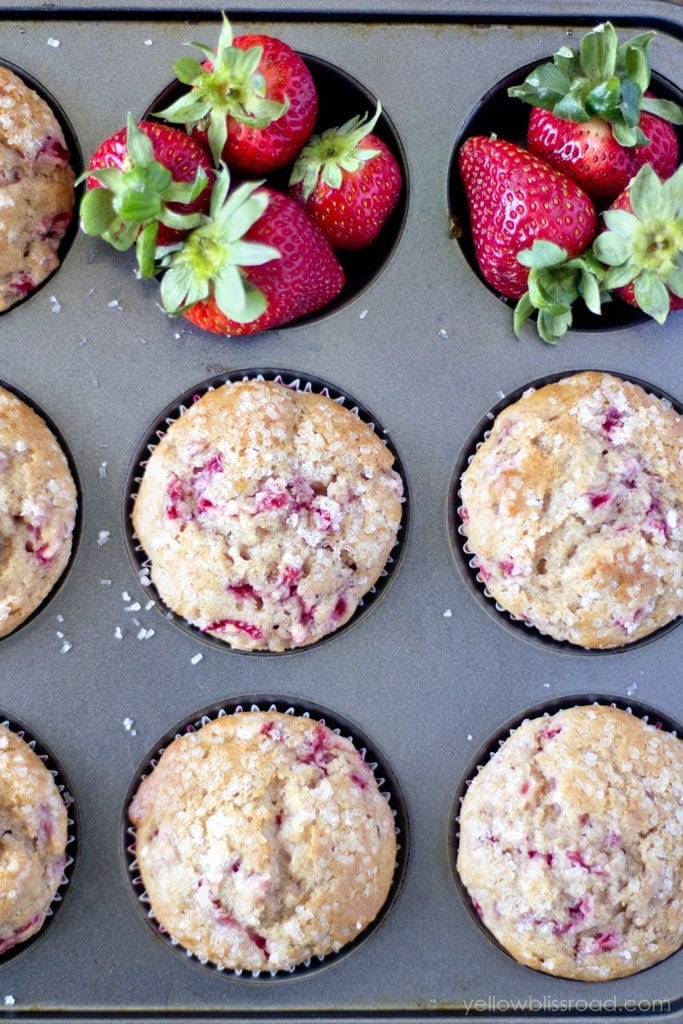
<point>427,675</point>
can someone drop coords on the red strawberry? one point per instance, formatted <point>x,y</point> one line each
<point>589,152</point>
<point>514,198</point>
<point>148,184</point>
<point>593,116</point>
<point>253,101</point>
<point>257,262</point>
<point>643,244</point>
<point>349,182</point>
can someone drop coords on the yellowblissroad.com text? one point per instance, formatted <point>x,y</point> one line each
<point>548,1004</point>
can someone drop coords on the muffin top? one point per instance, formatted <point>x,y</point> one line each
<point>36,189</point>
<point>573,508</point>
<point>33,836</point>
<point>267,514</point>
<point>570,843</point>
<point>37,511</point>
<point>263,841</point>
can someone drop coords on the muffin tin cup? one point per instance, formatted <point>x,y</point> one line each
<point>78,520</point>
<point>73,841</point>
<point>647,713</point>
<point>340,97</point>
<point>502,115</point>
<point>298,382</point>
<point>384,776</point>
<point>465,558</point>
<point>73,145</point>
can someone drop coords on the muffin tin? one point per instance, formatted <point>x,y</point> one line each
<point>427,675</point>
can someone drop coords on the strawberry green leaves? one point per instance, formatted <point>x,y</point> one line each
<point>138,193</point>
<point>328,155</point>
<point>231,85</point>
<point>603,79</point>
<point>252,101</point>
<point>555,283</point>
<point>210,261</point>
<point>638,257</point>
<point>643,243</point>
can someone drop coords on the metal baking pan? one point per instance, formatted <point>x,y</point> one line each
<point>427,675</point>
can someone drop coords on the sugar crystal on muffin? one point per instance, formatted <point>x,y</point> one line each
<point>573,510</point>
<point>267,514</point>
<point>571,843</point>
<point>263,841</point>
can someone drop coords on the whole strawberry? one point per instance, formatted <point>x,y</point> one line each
<point>515,198</point>
<point>253,101</point>
<point>147,184</point>
<point>643,244</point>
<point>594,117</point>
<point>257,262</point>
<point>349,182</point>
<point>531,228</point>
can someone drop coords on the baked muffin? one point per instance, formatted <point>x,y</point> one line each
<point>263,841</point>
<point>36,189</point>
<point>571,847</point>
<point>33,837</point>
<point>267,514</point>
<point>573,509</point>
<point>37,511</point>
